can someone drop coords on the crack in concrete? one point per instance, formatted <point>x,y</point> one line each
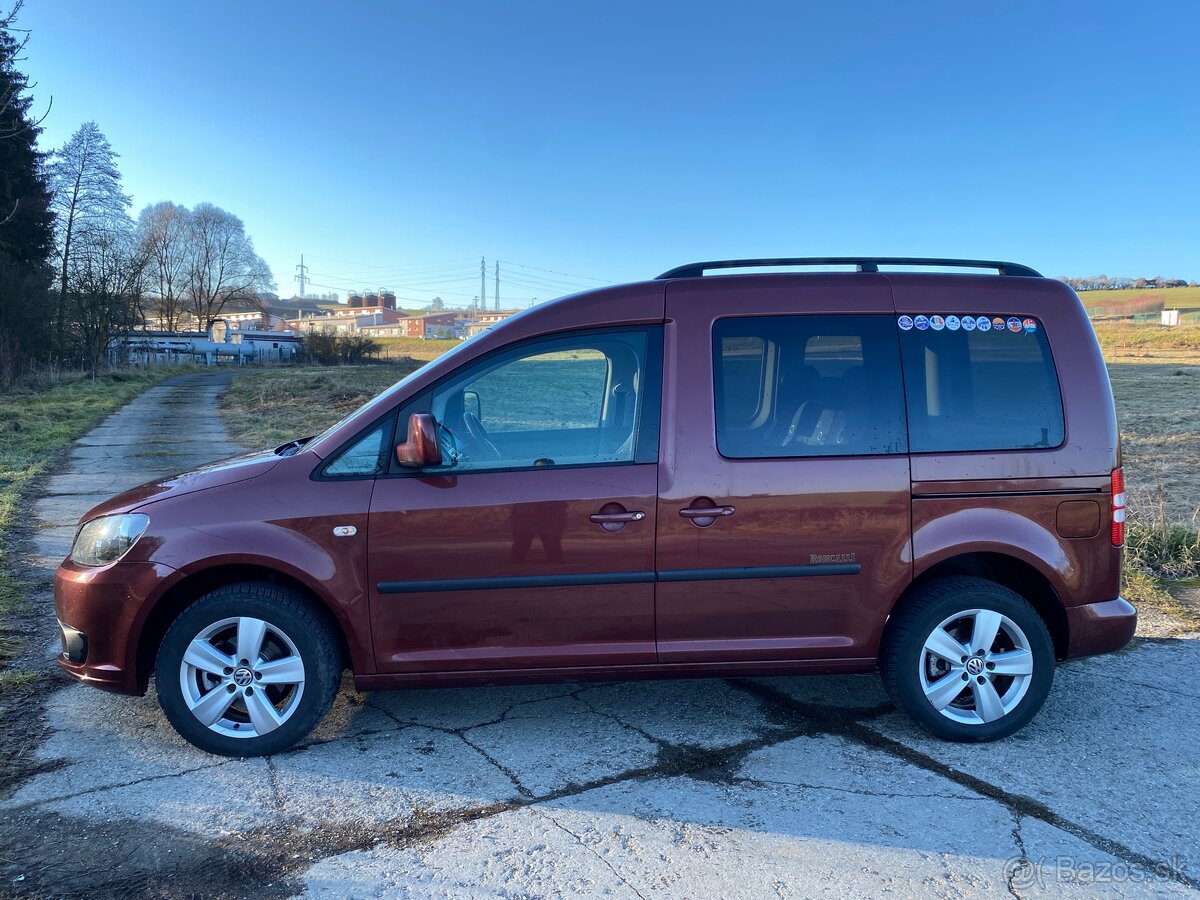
<point>30,804</point>
<point>1023,864</point>
<point>273,781</point>
<point>1156,687</point>
<point>1016,804</point>
<point>592,850</point>
<point>858,792</point>
<point>504,770</point>
<point>662,744</point>
<point>460,733</point>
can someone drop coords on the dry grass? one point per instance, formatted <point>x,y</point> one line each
<point>268,407</point>
<point>395,349</point>
<point>1158,409</point>
<point>1128,339</point>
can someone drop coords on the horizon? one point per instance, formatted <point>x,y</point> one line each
<point>394,147</point>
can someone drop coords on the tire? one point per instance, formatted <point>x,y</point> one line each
<point>226,697</point>
<point>998,694</point>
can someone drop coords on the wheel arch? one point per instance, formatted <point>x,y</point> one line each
<point>192,587</point>
<point>1008,571</point>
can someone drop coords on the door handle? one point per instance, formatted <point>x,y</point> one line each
<point>706,512</point>
<point>613,516</point>
<point>608,518</point>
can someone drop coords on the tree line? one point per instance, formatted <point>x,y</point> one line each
<point>75,268</point>
<point>1121,283</point>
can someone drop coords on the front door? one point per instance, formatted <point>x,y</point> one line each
<point>783,524</point>
<point>532,545</point>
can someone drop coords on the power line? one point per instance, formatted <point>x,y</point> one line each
<point>392,267</point>
<point>508,262</point>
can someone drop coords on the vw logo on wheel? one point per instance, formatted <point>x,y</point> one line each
<point>242,676</point>
<point>974,666</point>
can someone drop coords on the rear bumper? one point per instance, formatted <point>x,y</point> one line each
<point>100,614</point>
<point>1100,627</point>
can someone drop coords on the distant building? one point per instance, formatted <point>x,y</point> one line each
<point>346,321</point>
<point>375,309</point>
<point>485,320</point>
<point>433,325</point>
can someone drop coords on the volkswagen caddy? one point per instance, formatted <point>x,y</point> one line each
<point>742,473</point>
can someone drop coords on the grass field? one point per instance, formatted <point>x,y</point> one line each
<point>38,421</point>
<point>1167,298</point>
<point>267,407</point>
<point>393,348</point>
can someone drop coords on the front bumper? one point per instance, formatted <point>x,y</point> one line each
<point>1100,627</point>
<point>101,612</point>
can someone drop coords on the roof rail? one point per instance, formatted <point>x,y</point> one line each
<point>864,264</point>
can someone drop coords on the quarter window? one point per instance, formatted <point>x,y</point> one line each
<point>993,389</point>
<point>366,456</point>
<point>808,386</point>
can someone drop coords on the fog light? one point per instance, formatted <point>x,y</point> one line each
<point>74,644</point>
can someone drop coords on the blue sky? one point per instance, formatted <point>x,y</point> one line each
<point>396,143</point>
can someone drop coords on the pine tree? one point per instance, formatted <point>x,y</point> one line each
<point>26,222</point>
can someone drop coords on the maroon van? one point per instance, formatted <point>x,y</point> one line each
<point>730,474</point>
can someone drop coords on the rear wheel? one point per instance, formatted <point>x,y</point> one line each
<point>248,670</point>
<point>968,659</point>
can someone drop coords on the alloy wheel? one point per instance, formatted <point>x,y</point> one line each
<point>242,677</point>
<point>976,666</point>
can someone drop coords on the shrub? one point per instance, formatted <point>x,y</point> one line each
<point>328,349</point>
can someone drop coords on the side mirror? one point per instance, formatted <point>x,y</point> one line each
<point>421,449</point>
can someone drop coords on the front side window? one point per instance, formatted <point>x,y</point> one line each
<point>576,400</point>
<point>990,386</point>
<point>808,386</point>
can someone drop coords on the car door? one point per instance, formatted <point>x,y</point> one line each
<point>783,529</point>
<point>532,545</point>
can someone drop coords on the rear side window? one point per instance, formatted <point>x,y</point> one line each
<point>808,386</point>
<point>989,386</point>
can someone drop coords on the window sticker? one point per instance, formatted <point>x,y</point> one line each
<point>968,323</point>
<point>998,323</point>
<point>937,323</point>
<point>905,323</point>
<point>952,322</point>
<point>983,323</point>
<point>921,323</point>
<point>1030,325</point>
<point>1014,324</point>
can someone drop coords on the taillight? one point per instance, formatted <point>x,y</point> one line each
<point>1118,507</point>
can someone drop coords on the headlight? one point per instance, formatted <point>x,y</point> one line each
<point>106,539</point>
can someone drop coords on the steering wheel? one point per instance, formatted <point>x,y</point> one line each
<point>479,438</point>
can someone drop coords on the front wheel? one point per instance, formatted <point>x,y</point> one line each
<point>968,659</point>
<point>248,670</point>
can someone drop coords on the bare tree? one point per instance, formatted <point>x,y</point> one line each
<point>86,184</point>
<point>223,265</point>
<point>105,290</point>
<point>164,238</point>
